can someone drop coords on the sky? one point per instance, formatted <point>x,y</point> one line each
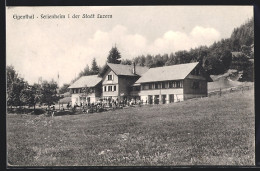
<point>48,47</point>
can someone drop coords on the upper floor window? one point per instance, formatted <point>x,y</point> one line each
<point>150,85</point>
<point>178,84</point>
<point>109,88</point>
<point>170,84</point>
<point>163,84</point>
<point>145,86</point>
<point>156,86</point>
<point>114,88</point>
<point>196,71</point>
<point>109,77</point>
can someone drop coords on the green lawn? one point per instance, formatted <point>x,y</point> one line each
<point>208,131</point>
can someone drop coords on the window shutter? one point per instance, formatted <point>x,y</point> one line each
<point>112,77</point>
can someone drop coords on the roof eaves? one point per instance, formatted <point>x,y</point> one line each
<point>192,69</point>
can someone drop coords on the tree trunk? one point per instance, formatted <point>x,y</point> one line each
<point>34,108</point>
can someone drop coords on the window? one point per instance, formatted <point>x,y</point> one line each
<point>156,85</point>
<point>109,88</point>
<point>163,84</point>
<point>170,84</point>
<point>181,84</point>
<point>114,88</point>
<point>145,86</point>
<point>174,84</point>
<point>195,85</point>
<point>151,86</point>
<point>109,77</point>
<point>196,71</point>
<point>178,84</point>
<point>105,88</point>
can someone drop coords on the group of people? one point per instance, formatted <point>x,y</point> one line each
<point>103,104</point>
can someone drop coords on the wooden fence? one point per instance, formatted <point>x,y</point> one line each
<point>220,92</point>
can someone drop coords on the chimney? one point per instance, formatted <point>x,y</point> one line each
<point>134,69</point>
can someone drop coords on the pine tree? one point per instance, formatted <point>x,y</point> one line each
<point>94,68</point>
<point>114,56</point>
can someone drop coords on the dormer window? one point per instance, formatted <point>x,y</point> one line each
<point>109,77</point>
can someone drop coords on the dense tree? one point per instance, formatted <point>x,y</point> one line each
<point>114,56</point>
<point>183,56</point>
<point>248,72</point>
<point>94,68</point>
<point>149,61</point>
<point>86,71</point>
<point>158,61</point>
<point>31,95</point>
<point>213,66</point>
<point>15,85</point>
<point>49,93</point>
<point>126,62</point>
<point>64,88</point>
<point>243,35</point>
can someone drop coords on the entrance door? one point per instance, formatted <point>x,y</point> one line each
<point>171,98</point>
<point>150,99</point>
<point>156,99</point>
<point>163,99</point>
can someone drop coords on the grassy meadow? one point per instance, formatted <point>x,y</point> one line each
<point>207,131</point>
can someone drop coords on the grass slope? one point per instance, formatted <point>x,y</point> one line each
<point>208,131</point>
<point>226,80</point>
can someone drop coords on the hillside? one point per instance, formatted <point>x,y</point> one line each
<point>227,80</point>
<point>207,131</point>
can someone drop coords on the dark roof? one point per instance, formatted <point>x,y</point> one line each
<point>86,81</point>
<point>126,70</point>
<point>173,72</point>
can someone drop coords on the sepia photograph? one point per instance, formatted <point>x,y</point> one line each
<point>130,86</point>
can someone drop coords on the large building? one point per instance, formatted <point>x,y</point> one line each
<point>155,85</point>
<point>172,83</point>
<point>87,89</point>
<point>117,80</point>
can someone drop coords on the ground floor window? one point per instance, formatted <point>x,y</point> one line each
<point>163,99</point>
<point>171,98</point>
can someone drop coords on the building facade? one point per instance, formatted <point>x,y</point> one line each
<point>162,85</point>
<point>87,89</point>
<point>117,80</point>
<point>172,84</point>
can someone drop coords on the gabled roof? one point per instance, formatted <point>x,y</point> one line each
<point>86,81</point>
<point>126,70</point>
<point>173,72</point>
